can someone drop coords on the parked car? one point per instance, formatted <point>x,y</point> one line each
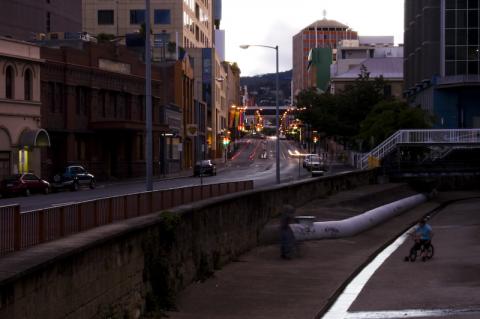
<point>306,160</point>
<point>72,178</point>
<point>25,183</point>
<point>205,167</point>
<point>314,162</point>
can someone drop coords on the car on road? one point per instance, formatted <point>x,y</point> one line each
<point>73,178</point>
<point>25,184</point>
<point>313,162</point>
<point>205,167</point>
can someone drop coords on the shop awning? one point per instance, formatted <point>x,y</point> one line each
<point>34,138</point>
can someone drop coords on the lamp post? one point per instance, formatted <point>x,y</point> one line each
<point>277,133</point>
<point>148,101</point>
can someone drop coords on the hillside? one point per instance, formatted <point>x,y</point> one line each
<point>262,87</point>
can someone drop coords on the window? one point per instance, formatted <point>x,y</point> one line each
<point>28,85</point>
<point>472,36</point>
<point>105,17</point>
<point>9,83</point>
<point>48,22</point>
<point>162,16</point>
<point>473,19</point>
<point>137,16</point>
<point>161,40</point>
<point>461,36</point>
<point>450,53</point>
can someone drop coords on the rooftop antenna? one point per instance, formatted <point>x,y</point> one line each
<point>324,14</point>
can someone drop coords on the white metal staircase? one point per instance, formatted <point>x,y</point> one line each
<point>420,137</point>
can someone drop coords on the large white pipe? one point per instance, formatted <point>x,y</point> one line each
<point>351,226</point>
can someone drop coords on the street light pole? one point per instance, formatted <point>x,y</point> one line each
<point>148,100</point>
<point>277,142</point>
<point>277,153</point>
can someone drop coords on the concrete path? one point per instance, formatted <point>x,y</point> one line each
<point>261,285</point>
<point>448,286</point>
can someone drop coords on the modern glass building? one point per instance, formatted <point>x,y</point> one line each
<point>441,64</point>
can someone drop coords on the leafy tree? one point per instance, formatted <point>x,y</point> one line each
<point>389,116</point>
<point>341,114</point>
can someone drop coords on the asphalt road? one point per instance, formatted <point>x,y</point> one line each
<point>247,164</point>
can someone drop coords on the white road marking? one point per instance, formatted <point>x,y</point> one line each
<point>353,289</point>
<point>411,313</point>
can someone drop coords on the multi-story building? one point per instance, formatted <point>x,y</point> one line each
<point>377,54</point>
<point>93,108</point>
<point>442,60</point>
<point>189,21</point>
<point>24,19</point>
<point>210,95</point>
<point>21,134</point>
<point>320,34</point>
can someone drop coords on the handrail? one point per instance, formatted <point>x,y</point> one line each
<point>419,137</point>
<point>20,230</point>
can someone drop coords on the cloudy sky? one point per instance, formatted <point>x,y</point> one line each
<point>275,22</point>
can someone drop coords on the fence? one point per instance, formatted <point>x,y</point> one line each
<point>21,230</point>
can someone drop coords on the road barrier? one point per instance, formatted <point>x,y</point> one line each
<point>20,230</point>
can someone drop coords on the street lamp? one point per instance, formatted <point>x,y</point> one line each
<point>277,143</point>
<point>148,101</point>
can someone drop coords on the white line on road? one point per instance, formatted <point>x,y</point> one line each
<point>411,313</point>
<point>351,292</point>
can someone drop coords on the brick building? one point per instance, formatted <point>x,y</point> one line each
<point>93,108</point>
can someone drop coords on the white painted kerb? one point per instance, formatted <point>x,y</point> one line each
<point>354,225</point>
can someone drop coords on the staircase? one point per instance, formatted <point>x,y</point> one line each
<point>455,137</point>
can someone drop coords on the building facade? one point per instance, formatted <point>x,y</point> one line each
<point>189,21</point>
<point>442,60</point>
<point>320,34</point>
<point>380,58</point>
<point>211,100</point>
<point>23,19</point>
<point>93,106</point>
<point>21,133</point>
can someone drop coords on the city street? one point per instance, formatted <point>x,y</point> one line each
<point>246,164</point>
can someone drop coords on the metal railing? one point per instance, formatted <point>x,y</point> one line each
<point>421,137</point>
<point>22,230</point>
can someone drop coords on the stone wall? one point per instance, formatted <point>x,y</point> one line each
<point>137,266</point>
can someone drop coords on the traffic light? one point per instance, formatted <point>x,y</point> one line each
<point>226,141</point>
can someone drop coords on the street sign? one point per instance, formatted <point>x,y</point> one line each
<point>192,130</point>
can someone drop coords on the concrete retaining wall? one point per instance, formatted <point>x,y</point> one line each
<point>137,266</point>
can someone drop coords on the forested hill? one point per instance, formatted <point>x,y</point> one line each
<point>263,87</point>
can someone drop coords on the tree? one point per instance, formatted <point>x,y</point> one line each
<point>389,116</point>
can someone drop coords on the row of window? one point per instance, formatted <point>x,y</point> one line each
<point>461,37</point>
<point>464,53</point>
<point>323,36</point>
<point>461,67</point>
<point>10,84</point>
<point>461,4</point>
<point>160,16</point>
<point>461,18</point>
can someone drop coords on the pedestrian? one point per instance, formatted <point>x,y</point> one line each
<point>287,239</point>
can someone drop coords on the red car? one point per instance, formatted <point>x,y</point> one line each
<point>26,184</point>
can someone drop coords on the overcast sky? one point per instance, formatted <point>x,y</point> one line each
<point>275,22</point>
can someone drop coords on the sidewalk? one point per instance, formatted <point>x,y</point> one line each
<point>261,285</point>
